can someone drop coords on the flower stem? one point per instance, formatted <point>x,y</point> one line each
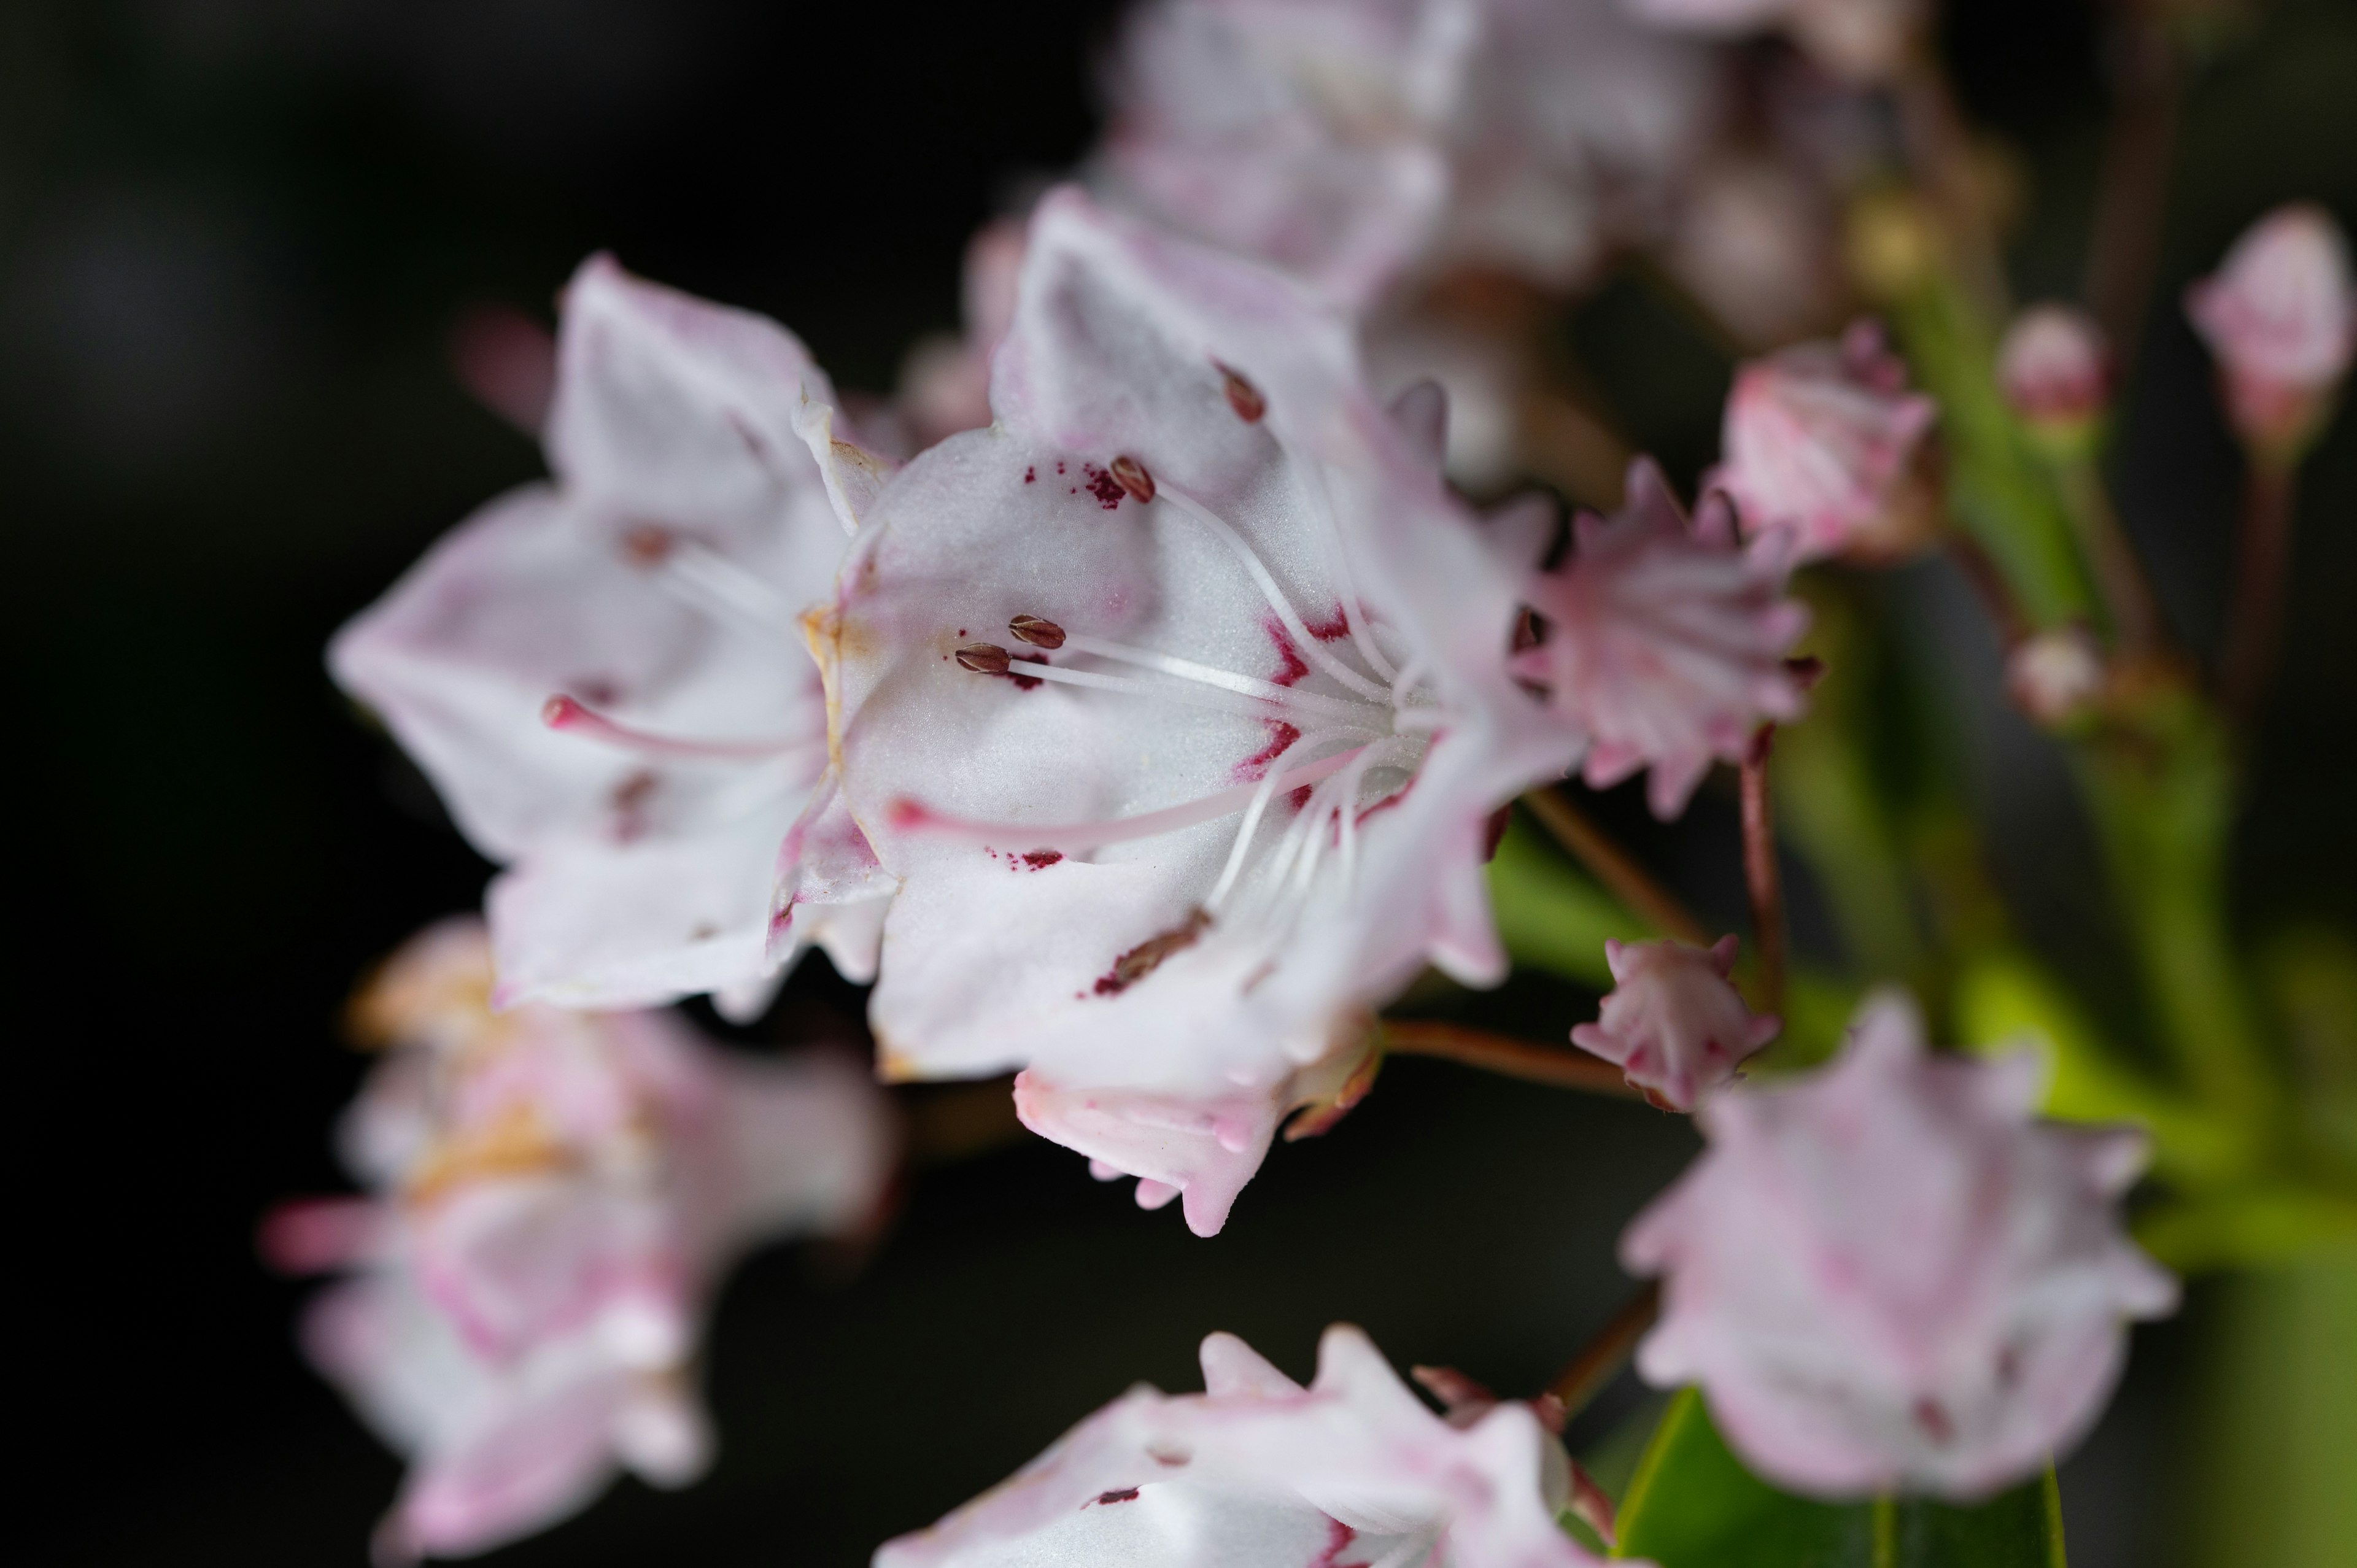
<point>1613,866</point>
<point>1760,874</point>
<point>2134,195</point>
<point>1601,1358</point>
<point>1549,1065</point>
<point>2255,624</point>
<point>2118,578</point>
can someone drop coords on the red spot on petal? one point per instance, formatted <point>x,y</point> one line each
<point>1129,1494</point>
<point>1030,476</point>
<point>1041,859</point>
<point>1108,490</point>
<point>1291,666</point>
<point>1337,625</point>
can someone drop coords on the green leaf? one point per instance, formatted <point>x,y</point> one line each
<point>1694,1504</point>
<point>1550,915</point>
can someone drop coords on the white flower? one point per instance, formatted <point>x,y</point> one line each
<point>1672,1021</point>
<point>2281,315</point>
<point>1890,1274</point>
<point>557,1195</point>
<point>1178,699</point>
<point>1259,1472</point>
<point>603,675</point>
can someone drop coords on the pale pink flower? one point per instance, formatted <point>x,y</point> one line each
<point>1362,142</point>
<point>1818,438</point>
<point>1665,644</point>
<point>1672,1021</point>
<point>557,1195</point>
<point>1863,40</point>
<point>945,384</point>
<point>1178,700</point>
<point>1890,1274</point>
<point>2281,315</point>
<point>2054,368</point>
<point>1259,1472</point>
<point>604,675</point>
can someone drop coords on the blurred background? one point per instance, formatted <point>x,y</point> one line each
<point>236,237</point>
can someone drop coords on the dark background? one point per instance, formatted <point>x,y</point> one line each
<point>235,235</point>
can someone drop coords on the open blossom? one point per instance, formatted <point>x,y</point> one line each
<point>1177,701</point>
<point>1818,438</point>
<point>556,1196</point>
<point>2281,315</point>
<point>602,675</point>
<point>1891,1273</point>
<point>1673,1021</point>
<point>1259,1472</point>
<point>1863,40</point>
<point>2054,368</point>
<point>1360,143</point>
<point>1663,643</point>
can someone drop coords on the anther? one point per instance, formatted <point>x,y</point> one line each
<point>1037,631</point>
<point>1131,475</point>
<point>647,544</point>
<point>1242,396</point>
<point>983,659</point>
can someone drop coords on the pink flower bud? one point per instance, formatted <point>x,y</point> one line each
<point>1890,1274</point>
<point>2281,317</point>
<point>1672,1021</point>
<point>2055,370</point>
<point>1817,439</point>
<point>2055,676</point>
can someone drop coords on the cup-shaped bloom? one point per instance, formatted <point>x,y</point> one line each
<point>555,1196</point>
<point>1177,702</point>
<point>1817,440</point>
<point>603,675</point>
<point>1890,1274</point>
<point>1259,1472</point>
<point>1672,1022</point>
<point>2056,372</point>
<point>1360,145</point>
<point>2281,317</point>
<point>1665,643</point>
<point>1862,41</point>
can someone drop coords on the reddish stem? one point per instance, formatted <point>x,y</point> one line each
<point>1551,1065</point>
<point>1622,877</point>
<point>1760,878</point>
<point>2254,623</point>
<point>1601,1358</point>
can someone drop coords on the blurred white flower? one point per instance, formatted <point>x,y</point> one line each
<point>1890,1274</point>
<point>2055,369</point>
<point>556,1196</point>
<point>945,383</point>
<point>2281,315</point>
<point>2056,676</point>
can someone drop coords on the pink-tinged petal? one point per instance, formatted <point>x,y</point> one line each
<point>1817,440</point>
<point>1259,1472</point>
<point>562,1196</point>
<point>1888,1273</point>
<point>1672,1022</point>
<point>2281,317</point>
<point>1665,643</point>
<point>1175,706</point>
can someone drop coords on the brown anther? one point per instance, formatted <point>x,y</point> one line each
<point>647,544</point>
<point>1038,632</point>
<point>1242,396</point>
<point>1131,475</point>
<point>983,658</point>
<point>1806,671</point>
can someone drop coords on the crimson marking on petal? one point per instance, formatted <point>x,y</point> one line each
<point>1242,396</point>
<point>1281,736</point>
<point>1933,1420</point>
<point>1103,486</point>
<point>1129,1494</point>
<point>1040,859</point>
<point>564,712</point>
<point>1339,1537</point>
<point>1030,476</point>
<point>1294,666</point>
<point>1150,955</point>
<point>1131,475</point>
<point>1037,631</point>
<point>912,815</point>
<point>1331,629</point>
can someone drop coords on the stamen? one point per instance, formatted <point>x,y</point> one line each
<point>1242,396</point>
<point>1131,475</point>
<point>1258,809</point>
<point>983,659</point>
<point>1038,632</point>
<point>1309,647</point>
<point>1322,503</point>
<point>564,712</point>
<point>914,815</point>
<point>1209,675</point>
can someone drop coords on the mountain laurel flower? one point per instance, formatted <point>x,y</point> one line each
<point>2055,371</point>
<point>1665,643</point>
<point>1817,439</point>
<point>1890,1274</point>
<point>1259,1472</point>
<point>1672,1022</point>
<point>1361,146</point>
<point>2281,317</point>
<point>1177,702</point>
<point>2056,676</point>
<point>603,675</point>
<point>557,1195</point>
<point>1860,40</point>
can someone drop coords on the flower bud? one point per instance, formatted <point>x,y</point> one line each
<point>2055,676</point>
<point>2281,317</point>
<point>2055,370</point>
